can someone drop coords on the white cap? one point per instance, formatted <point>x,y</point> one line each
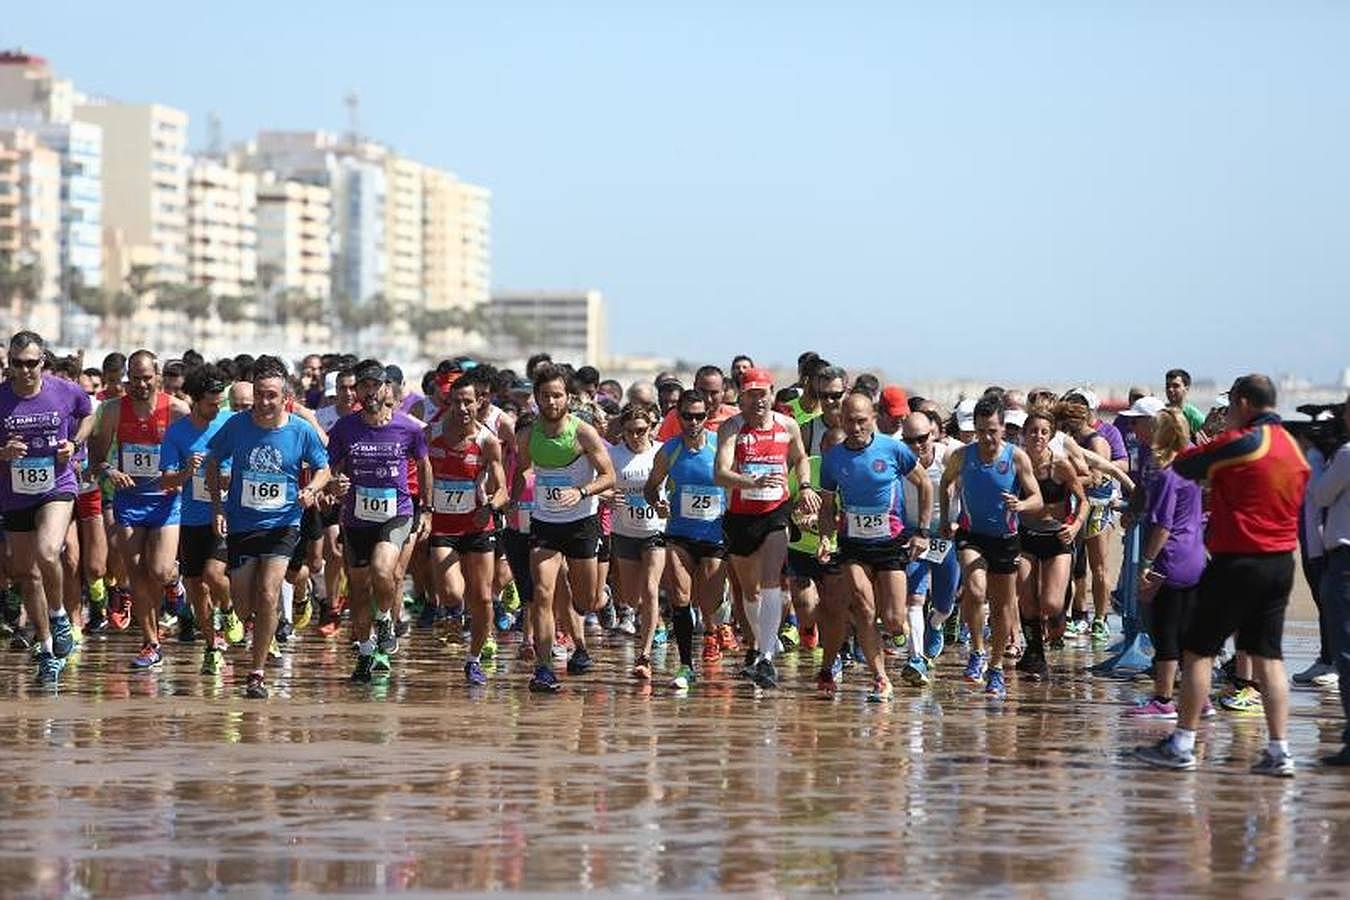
<point>330,384</point>
<point>1144,407</point>
<point>1015,417</point>
<point>1086,394</point>
<point>1221,401</point>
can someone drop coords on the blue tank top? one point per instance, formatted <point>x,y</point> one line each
<point>982,487</point>
<point>868,483</point>
<point>696,502</point>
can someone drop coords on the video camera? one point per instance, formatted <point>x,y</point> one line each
<point>1325,428</point>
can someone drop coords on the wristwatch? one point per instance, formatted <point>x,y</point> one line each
<point>922,531</point>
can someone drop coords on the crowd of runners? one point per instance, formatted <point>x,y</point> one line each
<point>230,506</point>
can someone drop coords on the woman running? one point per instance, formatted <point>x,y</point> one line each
<point>637,543</point>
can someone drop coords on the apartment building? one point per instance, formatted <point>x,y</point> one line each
<point>294,235</point>
<point>221,227</point>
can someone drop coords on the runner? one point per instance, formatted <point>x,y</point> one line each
<point>638,540</point>
<point>571,465</point>
<point>1047,538</point>
<point>43,421</point>
<point>330,508</point>
<point>993,473</point>
<point>147,515</point>
<point>755,451</point>
<point>201,552</point>
<point>260,515</point>
<point>932,577</point>
<point>370,450</point>
<point>861,478</point>
<point>1075,418</point>
<point>709,381</point>
<point>693,506</point>
<point>468,489</point>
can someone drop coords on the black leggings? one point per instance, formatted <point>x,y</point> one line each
<point>517,546</point>
<point>1172,612</point>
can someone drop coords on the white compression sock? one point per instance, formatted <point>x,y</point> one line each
<point>752,617</point>
<point>770,616</point>
<point>287,600</point>
<point>915,614</point>
<point>318,585</point>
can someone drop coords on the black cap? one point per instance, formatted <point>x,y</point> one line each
<point>393,373</point>
<point>370,370</point>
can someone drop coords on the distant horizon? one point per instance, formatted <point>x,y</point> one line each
<point>1108,189</point>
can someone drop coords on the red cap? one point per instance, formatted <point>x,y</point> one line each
<point>756,380</point>
<point>894,401</point>
<point>443,382</point>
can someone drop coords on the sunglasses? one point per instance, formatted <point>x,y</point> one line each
<point>693,417</point>
<point>832,395</point>
<point>26,363</point>
<point>921,439</point>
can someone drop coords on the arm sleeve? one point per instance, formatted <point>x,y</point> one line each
<point>1194,463</point>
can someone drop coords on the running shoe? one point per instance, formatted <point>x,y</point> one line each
<point>544,681</point>
<point>1275,765</point>
<point>810,638</point>
<point>365,668</point>
<point>148,658</point>
<point>766,676</point>
<point>274,651</point>
<point>211,661</point>
<point>608,618</point>
<point>996,688</point>
<point>1100,632</point>
<point>790,635</point>
<point>329,620</point>
<point>894,645</point>
<point>726,636</point>
<point>748,670</point>
<point>562,646</point>
<point>1165,755</point>
<point>256,689</point>
<point>1339,759</point>
<point>427,617</point>
<point>683,679</point>
<point>1245,699</point>
<point>1076,627</point>
<point>660,636</point>
<point>76,633</point>
<point>304,612</point>
<point>642,669</point>
<point>187,629</point>
<point>511,597</point>
<point>837,669</point>
<point>915,672</point>
<point>627,622</point>
<point>284,631</point>
<point>98,617</point>
<point>489,648</point>
<point>826,683</point>
<point>712,650</point>
<point>385,637</point>
<point>63,637</point>
<point>13,607</point>
<point>380,661</point>
<point>402,627</point>
<point>49,668</point>
<point>474,674</point>
<point>882,691</point>
<point>963,634</point>
<point>501,618</point>
<point>580,663</point>
<point>1152,708</point>
<point>234,626</point>
<point>1309,676</point>
<point>974,673</point>
<point>1208,711</point>
<point>933,642</point>
<point>20,640</point>
<point>1033,663</point>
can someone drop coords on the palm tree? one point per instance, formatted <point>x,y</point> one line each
<point>20,284</point>
<point>233,309</point>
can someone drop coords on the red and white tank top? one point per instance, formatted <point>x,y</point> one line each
<point>761,451</point>
<point>457,483</point>
<point>138,439</point>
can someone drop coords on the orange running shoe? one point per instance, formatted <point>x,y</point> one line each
<point>712,649</point>
<point>810,638</point>
<point>727,638</point>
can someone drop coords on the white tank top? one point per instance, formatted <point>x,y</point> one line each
<point>632,516</point>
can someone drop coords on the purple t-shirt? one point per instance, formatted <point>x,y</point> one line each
<point>376,459</point>
<point>42,422</point>
<point>409,401</point>
<point>1111,434</point>
<point>1175,504</point>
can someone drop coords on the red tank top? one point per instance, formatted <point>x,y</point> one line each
<point>132,429</point>
<point>761,451</point>
<point>458,487</point>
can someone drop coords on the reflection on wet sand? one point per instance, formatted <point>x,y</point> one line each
<point>170,782</point>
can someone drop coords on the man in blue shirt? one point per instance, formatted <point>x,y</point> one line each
<point>260,518</point>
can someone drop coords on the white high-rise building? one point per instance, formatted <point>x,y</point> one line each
<point>294,236</point>
<point>222,228</point>
<point>30,228</point>
<point>567,325</point>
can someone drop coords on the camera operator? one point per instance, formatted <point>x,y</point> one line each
<point>1320,438</point>
<point>1331,496</point>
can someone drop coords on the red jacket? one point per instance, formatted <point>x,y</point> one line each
<point>1257,476</point>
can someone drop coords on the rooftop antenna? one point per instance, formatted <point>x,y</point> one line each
<point>353,104</point>
<point>215,135</point>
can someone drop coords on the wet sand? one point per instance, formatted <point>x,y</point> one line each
<point>146,784</point>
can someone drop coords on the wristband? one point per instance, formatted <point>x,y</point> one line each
<point>1070,519</point>
<point>582,491</point>
<point>1146,564</point>
<point>922,532</point>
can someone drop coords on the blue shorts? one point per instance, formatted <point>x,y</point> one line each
<point>937,581</point>
<point>146,510</point>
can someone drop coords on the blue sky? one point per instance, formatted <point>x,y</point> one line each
<point>995,190</point>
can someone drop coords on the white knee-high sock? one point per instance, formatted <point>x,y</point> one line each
<point>916,623</point>
<point>770,616</point>
<point>287,600</point>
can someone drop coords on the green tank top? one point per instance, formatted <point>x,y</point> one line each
<point>555,452</point>
<point>813,430</point>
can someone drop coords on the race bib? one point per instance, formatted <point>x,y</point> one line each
<point>548,491</point>
<point>938,548</point>
<point>453,498</point>
<point>638,510</point>
<point>868,523</point>
<point>263,491</point>
<point>701,503</point>
<point>199,491</point>
<point>140,460</point>
<point>754,470</point>
<point>377,505</point>
<point>33,476</point>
